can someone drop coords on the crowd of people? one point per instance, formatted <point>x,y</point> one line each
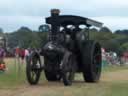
<point>111,58</point>
<point>20,54</point>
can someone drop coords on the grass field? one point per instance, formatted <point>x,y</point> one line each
<point>114,82</point>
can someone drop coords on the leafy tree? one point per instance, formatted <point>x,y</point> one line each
<point>93,30</point>
<point>22,37</point>
<point>125,32</point>
<point>44,28</point>
<point>105,29</point>
<point>110,41</point>
<point>26,38</point>
<point>1,32</point>
<point>124,47</point>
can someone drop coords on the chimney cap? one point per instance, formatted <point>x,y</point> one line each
<point>55,11</point>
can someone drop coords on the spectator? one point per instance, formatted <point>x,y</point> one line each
<point>2,55</point>
<point>22,55</point>
<point>17,52</point>
<point>27,53</point>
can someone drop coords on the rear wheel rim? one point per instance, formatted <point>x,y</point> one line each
<point>97,61</point>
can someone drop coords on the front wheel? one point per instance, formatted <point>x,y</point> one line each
<point>33,69</point>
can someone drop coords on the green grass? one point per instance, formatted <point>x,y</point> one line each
<point>80,89</point>
<point>111,68</point>
<point>119,89</point>
<point>13,78</point>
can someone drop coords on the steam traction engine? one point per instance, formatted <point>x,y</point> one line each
<point>67,51</point>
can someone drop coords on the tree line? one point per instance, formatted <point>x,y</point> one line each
<point>26,38</point>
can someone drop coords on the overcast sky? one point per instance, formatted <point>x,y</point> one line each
<point>31,13</point>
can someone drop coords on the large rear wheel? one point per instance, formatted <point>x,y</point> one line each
<point>91,59</point>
